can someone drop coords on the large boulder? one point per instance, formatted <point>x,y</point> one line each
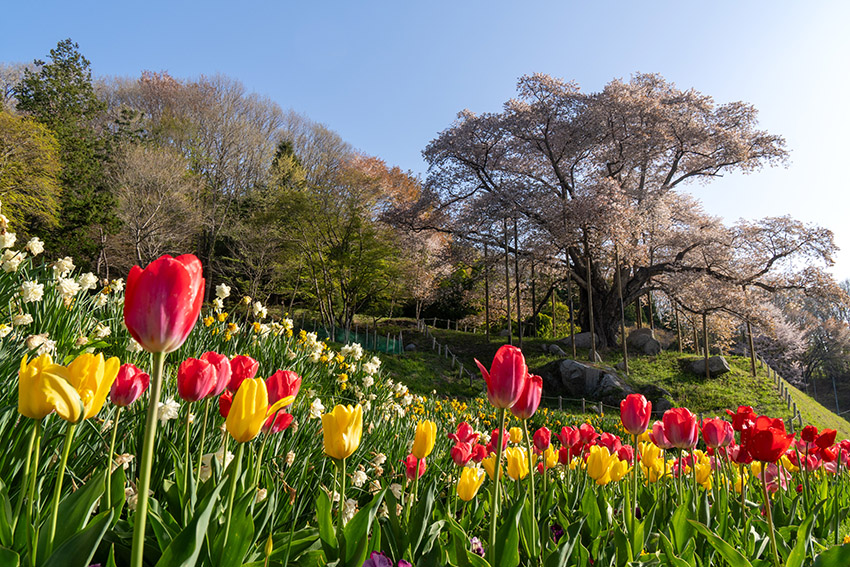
<point>643,341</point>
<point>554,350</point>
<point>582,340</point>
<point>572,379</point>
<point>717,365</point>
<point>661,399</point>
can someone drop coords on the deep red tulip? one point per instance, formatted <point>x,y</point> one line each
<point>809,434</point>
<point>680,426</point>
<point>829,454</point>
<point>506,378</point>
<point>195,379</point>
<point>658,435</point>
<point>414,468</point>
<point>282,384</point>
<point>162,302</point>
<point>717,432</point>
<point>241,367</point>
<point>826,439</point>
<point>610,441</point>
<point>635,412</point>
<point>766,441</point>
<point>529,400</point>
<point>465,434</point>
<point>479,452</point>
<point>129,385</point>
<point>569,436</point>
<point>461,453</point>
<point>587,433</point>
<point>564,455</point>
<point>742,418</point>
<point>281,422</point>
<point>224,402</point>
<point>222,371</point>
<point>739,454</point>
<point>626,453</point>
<point>494,441</point>
<point>542,439</point>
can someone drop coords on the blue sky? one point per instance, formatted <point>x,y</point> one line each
<point>389,76</point>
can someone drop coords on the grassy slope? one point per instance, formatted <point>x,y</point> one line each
<point>424,371</point>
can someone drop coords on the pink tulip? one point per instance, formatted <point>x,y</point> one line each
<point>162,302</point>
<point>529,400</point>
<point>659,436</point>
<point>717,432</point>
<point>506,378</point>
<point>461,453</point>
<point>195,379</point>
<point>465,434</point>
<point>282,384</point>
<point>680,426</point>
<point>635,412</point>
<point>129,385</point>
<point>222,371</point>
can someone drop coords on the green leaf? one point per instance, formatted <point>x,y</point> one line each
<point>357,531</point>
<point>804,536</point>
<point>669,555</point>
<point>681,530</point>
<point>729,553</point>
<point>507,538</point>
<point>184,550</point>
<point>110,562</point>
<point>624,552</point>
<point>838,556</point>
<point>529,533</point>
<point>327,533</point>
<point>9,558</point>
<point>6,520</point>
<point>421,517</point>
<point>567,544</point>
<point>74,511</point>
<point>78,550</point>
<point>590,510</point>
<point>241,534</point>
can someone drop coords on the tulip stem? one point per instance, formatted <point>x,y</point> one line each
<point>33,474</point>
<point>235,470</point>
<point>837,486</point>
<point>203,437</point>
<point>694,479</point>
<point>633,515</point>
<point>187,469</point>
<point>341,467</point>
<point>26,478</point>
<point>494,507</point>
<point>769,515</point>
<point>57,493</point>
<point>530,473</point>
<point>109,460</point>
<point>141,516</point>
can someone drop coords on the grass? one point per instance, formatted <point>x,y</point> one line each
<point>424,371</point>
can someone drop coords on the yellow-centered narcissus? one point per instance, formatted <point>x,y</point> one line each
<point>426,435</point>
<point>342,429</point>
<point>43,387</point>
<point>250,409</point>
<point>92,377</point>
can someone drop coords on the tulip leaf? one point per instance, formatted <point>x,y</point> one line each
<point>241,535</point>
<point>529,533</point>
<point>567,544</point>
<point>74,511</point>
<point>9,558</point>
<point>838,556</point>
<point>421,518</point>
<point>463,554</point>
<point>669,555</point>
<point>183,551</point>
<point>729,553</point>
<point>507,538</point>
<point>79,549</point>
<point>681,530</point>
<point>326,526</point>
<point>804,536</point>
<point>6,520</point>
<point>590,510</point>
<point>357,532</point>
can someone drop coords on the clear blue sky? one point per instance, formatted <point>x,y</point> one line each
<point>388,76</point>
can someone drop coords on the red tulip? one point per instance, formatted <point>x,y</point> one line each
<point>610,442</point>
<point>414,469</point>
<point>465,434</point>
<point>241,367</point>
<point>479,452</point>
<point>742,418</point>
<point>766,441</point>
<point>222,371</point>
<point>529,400</point>
<point>494,441</point>
<point>717,432</point>
<point>658,435</point>
<point>680,426</point>
<point>568,436</point>
<point>564,455</point>
<point>809,434</point>
<point>461,453</point>
<point>129,385</point>
<point>195,379</point>
<point>626,453</point>
<point>826,439</point>
<point>587,433</point>
<point>542,439</point>
<point>739,454</point>
<point>282,384</point>
<point>635,412</point>
<point>281,422</point>
<point>162,302</point>
<point>224,403</point>
<point>507,377</point>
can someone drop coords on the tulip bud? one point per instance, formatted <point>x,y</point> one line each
<point>423,443</point>
<point>224,403</point>
<point>461,453</point>
<point>342,429</point>
<point>506,378</point>
<point>469,483</point>
<point>635,412</point>
<point>542,439</point>
<point>241,368</point>
<point>196,379</point>
<point>222,371</point>
<point>529,399</point>
<point>414,467</point>
<point>130,383</point>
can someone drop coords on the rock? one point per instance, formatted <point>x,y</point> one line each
<point>572,379</point>
<point>644,341</point>
<point>555,350</point>
<point>504,333</point>
<point>621,366</point>
<point>660,398</point>
<point>582,340</point>
<point>411,347</point>
<point>717,365</point>
<point>651,347</point>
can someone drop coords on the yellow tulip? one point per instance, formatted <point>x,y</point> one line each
<point>342,429</point>
<point>470,481</point>
<point>516,435</point>
<point>92,377</point>
<point>517,463</point>
<point>703,474</point>
<point>618,469</point>
<point>250,409</point>
<point>423,443</point>
<point>489,465</point>
<point>598,464</point>
<point>43,387</point>
<point>551,457</point>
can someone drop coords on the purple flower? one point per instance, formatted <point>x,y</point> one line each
<point>378,559</point>
<point>477,548</point>
<point>403,563</point>
<point>557,532</point>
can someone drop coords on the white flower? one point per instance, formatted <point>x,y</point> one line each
<point>35,246</point>
<point>353,350</point>
<point>132,497</point>
<point>374,486</point>
<point>371,368</point>
<point>122,461</point>
<point>368,381</point>
<point>87,281</point>
<point>100,300</point>
<point>35,341</point>
<point>379,460</point>
<point>118,285</point>
<point>259,310</point>
<point>286,323</point>
<point>407,400</point>
<point>383,511</point>
<point>12,260</point>
<point>395,488</point>
<point>32,292</point>
<point>168,410</point>
<point>222,291</point>
<point>133,346</point>
<point>348,510</point>
<point>63,267</point>
<point>316,409</point>
<point>7,239</point>
<point>101,331</point>
<point>246,300</point>
<point>358,478</point>
<point>218,304</point>
<point>47,347</point>
<point>4,330</point>
<point>290,458</point>
<point>22,319</point>
<point>67,288</point>
<point>261,495</point>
